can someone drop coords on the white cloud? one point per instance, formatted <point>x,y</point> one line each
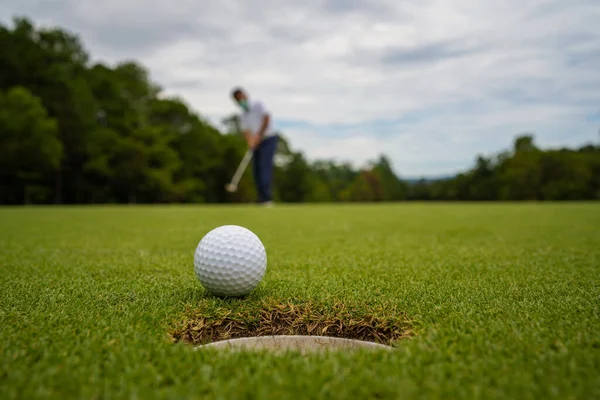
<point>474,72</point>
<point>424,148</point>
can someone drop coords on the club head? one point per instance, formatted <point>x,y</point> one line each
<point>230,187</point>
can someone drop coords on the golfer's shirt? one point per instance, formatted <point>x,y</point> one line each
<point>252,119</point>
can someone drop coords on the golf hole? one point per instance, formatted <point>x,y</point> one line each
<point>290,326</point>
<point>294,342</point>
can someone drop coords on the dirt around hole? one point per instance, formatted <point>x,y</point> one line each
<point>205,324</point>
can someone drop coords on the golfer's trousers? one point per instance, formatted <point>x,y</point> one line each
<point>264,155</point>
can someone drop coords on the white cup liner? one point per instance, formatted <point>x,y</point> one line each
<point>294,342</point>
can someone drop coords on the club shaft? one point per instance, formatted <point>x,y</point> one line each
<point>241,168</point>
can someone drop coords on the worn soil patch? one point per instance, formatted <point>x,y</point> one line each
<point>203,325</point>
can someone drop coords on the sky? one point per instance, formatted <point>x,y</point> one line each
<point>429,83</point>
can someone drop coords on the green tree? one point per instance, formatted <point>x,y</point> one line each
<point>483,184</point>
<point>51,63</point>
<point>566,175</point>
<point>30,148</point>
<point>337,177</point>
<point>365,188</point>
<point>393,189</point>
<point>103,148</point>
<point>294,181</point>
<point>521,174</point>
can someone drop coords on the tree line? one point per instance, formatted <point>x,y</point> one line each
<point>74,132</point>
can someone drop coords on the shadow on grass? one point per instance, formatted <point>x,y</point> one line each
<point>198,294</point>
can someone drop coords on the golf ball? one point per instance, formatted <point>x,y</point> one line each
<point>230,261</point>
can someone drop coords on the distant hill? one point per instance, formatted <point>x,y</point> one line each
<point>426,178</point>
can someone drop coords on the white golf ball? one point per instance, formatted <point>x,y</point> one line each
<point>230,261</point>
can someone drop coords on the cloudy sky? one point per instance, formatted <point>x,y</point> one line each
<point>430,83</point>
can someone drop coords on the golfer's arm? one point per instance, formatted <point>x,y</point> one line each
<point>247,134</point>
<point>263,127</point>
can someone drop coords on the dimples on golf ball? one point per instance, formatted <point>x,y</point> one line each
<point>230,261</point>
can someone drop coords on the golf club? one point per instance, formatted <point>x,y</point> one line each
<point>232,186</point>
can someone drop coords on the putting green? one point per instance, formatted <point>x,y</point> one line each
<point>482,301</point>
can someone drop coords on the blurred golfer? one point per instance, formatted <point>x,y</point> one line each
<point>258,131</point>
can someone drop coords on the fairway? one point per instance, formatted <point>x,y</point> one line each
<point>491,300</point>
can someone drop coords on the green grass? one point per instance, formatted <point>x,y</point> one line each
<point>503,299</point>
